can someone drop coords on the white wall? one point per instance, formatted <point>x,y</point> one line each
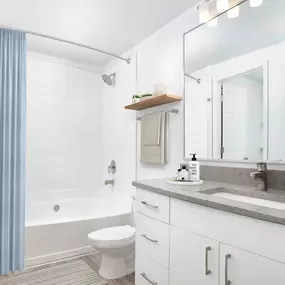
<point>255,126</point>
<point>64,111</point>
<point>158,59</point>
<point>243,117</point>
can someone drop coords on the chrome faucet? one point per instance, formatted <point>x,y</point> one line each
<point>260,176</point>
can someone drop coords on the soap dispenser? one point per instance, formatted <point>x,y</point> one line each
<point>194,168</point>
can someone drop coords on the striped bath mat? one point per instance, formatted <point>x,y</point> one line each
<point>75,272</point>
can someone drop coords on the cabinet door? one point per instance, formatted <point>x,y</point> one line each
<point>238,267</point>
<point>193,259</point>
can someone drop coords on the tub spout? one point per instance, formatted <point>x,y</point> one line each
<point>109,182</point>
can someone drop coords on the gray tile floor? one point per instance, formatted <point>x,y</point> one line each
<point>78,271</point>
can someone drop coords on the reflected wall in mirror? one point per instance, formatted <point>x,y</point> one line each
<point>237,112</point>
<point>242,117</point>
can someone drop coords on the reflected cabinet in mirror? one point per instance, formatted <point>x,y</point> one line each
<point>235,82</point>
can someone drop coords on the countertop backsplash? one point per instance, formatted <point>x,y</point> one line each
<point>241,176</point>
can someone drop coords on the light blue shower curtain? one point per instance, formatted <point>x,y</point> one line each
<point>12,149</point>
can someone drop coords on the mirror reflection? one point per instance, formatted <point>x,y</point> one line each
<point>242,117</point>
<point>237,111</point>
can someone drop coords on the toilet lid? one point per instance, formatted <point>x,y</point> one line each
<point>113,234</point>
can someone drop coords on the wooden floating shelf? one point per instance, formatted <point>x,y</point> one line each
<point>153,101</point>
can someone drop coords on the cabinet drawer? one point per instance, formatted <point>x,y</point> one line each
<point>152,239</point>
<point>149,272</point>
<point>153,205</point>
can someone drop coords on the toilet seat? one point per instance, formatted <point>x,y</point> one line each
<point>114,236</point>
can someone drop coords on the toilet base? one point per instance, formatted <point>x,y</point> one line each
<point>116,267</point>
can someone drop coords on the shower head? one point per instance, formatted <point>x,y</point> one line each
<point>109,79</point>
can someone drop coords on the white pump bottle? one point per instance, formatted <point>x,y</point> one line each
<point>194,168</point>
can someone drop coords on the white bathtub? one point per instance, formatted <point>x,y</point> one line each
<point>53,235</point>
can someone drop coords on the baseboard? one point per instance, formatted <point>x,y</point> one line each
<point>55,257</point>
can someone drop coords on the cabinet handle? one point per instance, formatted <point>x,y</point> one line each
<point>152,240</point>
<point>207,270</point>
<point>227,257</point>
<point>149,205</point>
<point>147,279</point>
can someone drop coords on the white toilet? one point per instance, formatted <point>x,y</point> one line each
<point>117,248</point>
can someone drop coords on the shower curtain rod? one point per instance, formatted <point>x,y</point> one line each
<point>127,60</point>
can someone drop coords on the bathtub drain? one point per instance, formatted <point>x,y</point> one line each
<point>56,208</point>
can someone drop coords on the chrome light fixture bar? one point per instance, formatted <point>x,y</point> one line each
<point>127,60</point>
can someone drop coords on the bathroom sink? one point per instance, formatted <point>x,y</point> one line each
<point>252,197</point>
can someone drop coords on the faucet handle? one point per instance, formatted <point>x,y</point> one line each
<point>261,167</point>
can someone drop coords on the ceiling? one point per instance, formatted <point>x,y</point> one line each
<point>254,29</point>
<point>111,25</point>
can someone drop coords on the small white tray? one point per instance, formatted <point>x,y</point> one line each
<point>172,181</point>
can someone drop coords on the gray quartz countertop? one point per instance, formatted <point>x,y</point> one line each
<point>197,195</point>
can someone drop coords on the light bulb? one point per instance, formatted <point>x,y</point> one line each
<point>213,22</point>
<point>222,5</point>
<point>233,13</point>
<point>204,12</point>
<point>255,3</point>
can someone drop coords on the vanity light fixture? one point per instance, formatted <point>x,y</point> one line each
<point>204,12</point>
<point>211,8</point>
<point>233,13</point>
<point>255,3</point>
<point>222,5</point>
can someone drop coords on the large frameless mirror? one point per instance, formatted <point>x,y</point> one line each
<point>235,82</point>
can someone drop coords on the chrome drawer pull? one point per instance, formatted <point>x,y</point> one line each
<point>152,240</point>
<point>147,279</point>
<point>207,270</point>
<point>227,281</point>
<point>149,205</point>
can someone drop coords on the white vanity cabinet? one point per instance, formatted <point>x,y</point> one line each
<point>239,267</point>
<point>193,259</point>
<point>181,243</point>
<point>152,238</point>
